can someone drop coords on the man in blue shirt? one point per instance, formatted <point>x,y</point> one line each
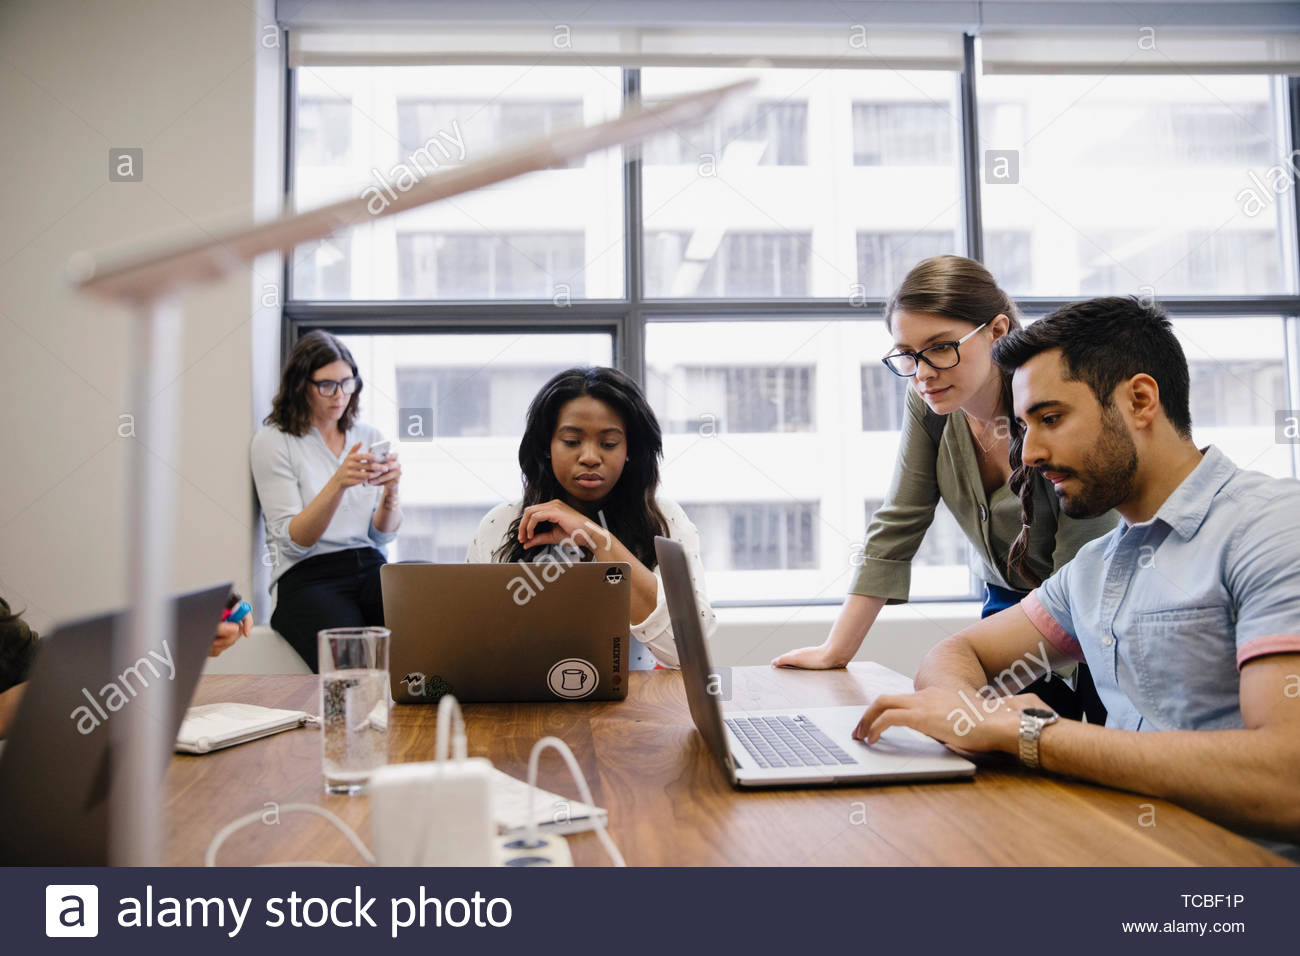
<point>1188,613</point>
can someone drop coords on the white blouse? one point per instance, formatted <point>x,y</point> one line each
<point>289,471</point>
<point>656,631</point>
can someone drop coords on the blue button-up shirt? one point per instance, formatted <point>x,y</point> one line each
<point>289,471</point>
<point>1166,612</point>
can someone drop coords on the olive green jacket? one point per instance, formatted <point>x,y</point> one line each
<point>937,460</point>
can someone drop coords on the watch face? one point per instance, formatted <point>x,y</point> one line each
<point>1040,712</point>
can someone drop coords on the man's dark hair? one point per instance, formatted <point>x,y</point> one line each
<point>1107,341</point>
<point>1103,342</point>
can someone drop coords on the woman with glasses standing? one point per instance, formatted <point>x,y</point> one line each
<point>330,502</point>
<point>959,444</point>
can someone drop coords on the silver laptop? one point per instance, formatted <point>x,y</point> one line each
<point>56,768</point>
<point>508,632</point>
<point>770,748</point>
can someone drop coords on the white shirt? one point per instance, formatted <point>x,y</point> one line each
<point>289,471</point>
<point>656,631</point>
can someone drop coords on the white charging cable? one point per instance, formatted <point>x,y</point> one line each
<point>584,791</point>
<point>210,858</point>
<point>449,708</point>
<point>451,736</point>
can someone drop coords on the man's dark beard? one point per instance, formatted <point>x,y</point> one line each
<point>1106,479</point>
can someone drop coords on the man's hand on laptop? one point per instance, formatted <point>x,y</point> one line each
<point>963,719</point>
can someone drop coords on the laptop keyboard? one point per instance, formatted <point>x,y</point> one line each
<point>787,741</point>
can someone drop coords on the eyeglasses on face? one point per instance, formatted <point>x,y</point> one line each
<point>328,386</point>
<point>940,356</point>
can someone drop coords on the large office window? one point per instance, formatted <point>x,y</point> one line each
<point>1238,384</point>
<point>756,535</point>
<point>323,136</point>
<point>769,203</point>
<point>767,238</point>
<point>780,127</point>
<point>499,266</point>
<point>323,269</point>
<point>773,445</point>
<point>902,134</point>
<point>441,534</point>
<point>468,400</point>
<point>1136,184</point>
<point>370,133</point>
<point>1194,262</point>
<point>426,122</point>
<point>883,394</point>
<point>740,265</point>
<point>747,398</point>
<point>884,258</point>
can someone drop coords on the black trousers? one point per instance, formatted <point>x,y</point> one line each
<point>330,590</point>
<point>1073,703</point>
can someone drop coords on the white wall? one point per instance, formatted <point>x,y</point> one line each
<point>176,79</point>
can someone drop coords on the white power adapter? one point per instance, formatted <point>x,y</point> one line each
<point>433,814</point>
<point>438,813</point>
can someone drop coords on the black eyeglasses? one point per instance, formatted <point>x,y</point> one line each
<point>939,356</point>
<point>327,386</point>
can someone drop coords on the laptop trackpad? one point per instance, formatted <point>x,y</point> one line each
<point>839,723</point>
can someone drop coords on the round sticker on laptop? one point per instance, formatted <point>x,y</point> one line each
<point>572,678</point>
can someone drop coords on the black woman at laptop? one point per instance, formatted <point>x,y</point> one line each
<point>955,444</point>
<point>328,488</point>
<point>590,461</point>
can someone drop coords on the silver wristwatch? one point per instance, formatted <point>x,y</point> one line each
<point>1032,722</point>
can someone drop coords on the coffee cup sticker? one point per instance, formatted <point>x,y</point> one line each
<point>572,678</point>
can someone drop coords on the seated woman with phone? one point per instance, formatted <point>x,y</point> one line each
<point>590,460</point>
<point>328,485</point>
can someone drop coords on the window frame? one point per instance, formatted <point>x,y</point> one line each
<point>626,319</point>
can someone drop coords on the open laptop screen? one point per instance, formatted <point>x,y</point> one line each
<point>56,766</point>
<point>692,651</point>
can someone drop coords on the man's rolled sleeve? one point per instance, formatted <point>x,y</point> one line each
<point>1262,563</point>
<point>1048,609</point>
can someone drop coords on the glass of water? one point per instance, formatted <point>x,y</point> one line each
<point>354,704</point>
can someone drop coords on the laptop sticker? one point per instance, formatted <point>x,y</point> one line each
<point>572,678</point>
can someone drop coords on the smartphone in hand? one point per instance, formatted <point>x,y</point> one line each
<point>378,453</point>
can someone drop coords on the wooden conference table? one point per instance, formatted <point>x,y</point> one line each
<point>669,803</point>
